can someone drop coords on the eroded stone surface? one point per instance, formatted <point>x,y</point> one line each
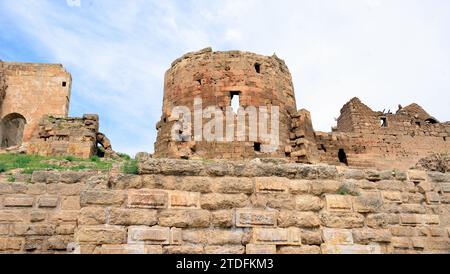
<point>167,213</point>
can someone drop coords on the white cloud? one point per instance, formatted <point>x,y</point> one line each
<point>373,3</point>
<point>385,52</point>
<point>73,3</point>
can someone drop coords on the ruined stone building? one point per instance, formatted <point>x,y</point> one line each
<point>218,78</point>
<point>367,138</point>
<point>362,138</point>
<point>245,206</point>
<point>33,90</point>
<point>240,87</point>
<point>34,105</point>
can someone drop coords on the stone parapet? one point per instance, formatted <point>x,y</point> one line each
<point>64,136</point>
<point>178,206</point>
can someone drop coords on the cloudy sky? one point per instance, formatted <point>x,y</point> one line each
<point>385,52</point>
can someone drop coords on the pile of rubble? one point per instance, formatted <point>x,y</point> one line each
<point>435,162</point>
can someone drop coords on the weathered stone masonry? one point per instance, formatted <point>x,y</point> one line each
<point>34,104</point>
<point>267,205</point>
<point>363,138</point>
<point>60,136</point>
<point>382,139</point>
<point>178,206</point>
<point>216,77</point>
<point>33,90</point>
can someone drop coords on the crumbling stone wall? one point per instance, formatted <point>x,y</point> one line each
<point>435,162</point>
<point>216,77</point>
<point>383,139</point>
<point>411,120</point>
<point>34,90</point>
<point>362,137</point>
<point>3,87</point>
<point>3,84</point>
<point>178,206</point>
<point>378,151</point>
<point>303,147</point>
<point>357,117</point>
<point>63,136</point>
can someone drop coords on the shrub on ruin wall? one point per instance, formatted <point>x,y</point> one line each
<point>130,167</point>
<point>435,162</point>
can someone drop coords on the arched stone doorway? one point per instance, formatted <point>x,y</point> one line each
<point>11,130</point>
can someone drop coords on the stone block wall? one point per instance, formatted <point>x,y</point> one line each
<point>357,117</point>
<point>303,147</point>
<point>379,151</point>
<point>3,84</point>
<point>63,136</point>
<point>177,206</point>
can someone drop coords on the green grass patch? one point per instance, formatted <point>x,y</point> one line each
<point>70,158</point>
<point>208,161</point>
<point>31,163</point>
<point>124,156</point>
<point>348,189</point>
<point>11,178</point>
<point>2,168</point>
<point>95,159</point>
<point>28,171</point>
<point>130,167</point>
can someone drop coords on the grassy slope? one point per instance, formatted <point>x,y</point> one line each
<point>30,163</point>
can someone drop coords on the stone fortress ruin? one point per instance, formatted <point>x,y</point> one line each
<point>357,189</point>
<point>218,78</point>
<point>35,104</point>
<point>362,137</point>
<point>33,90</point>
<point>34,107</point>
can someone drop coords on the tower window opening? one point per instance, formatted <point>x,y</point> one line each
<point>431,121</point>
<point>235,100</point>
<point>258,68</point>
<point>64,84</point>
<point>384,122</point>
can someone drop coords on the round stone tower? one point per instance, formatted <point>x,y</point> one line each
<point>226,105</point>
